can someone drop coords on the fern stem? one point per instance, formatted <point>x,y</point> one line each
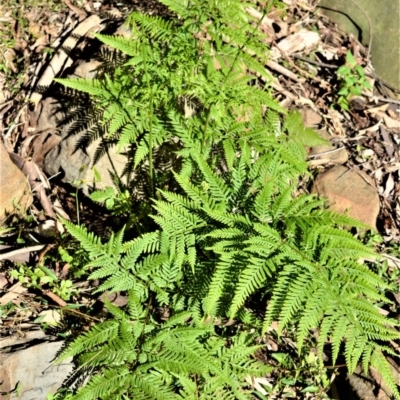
<point>197,387</point>
<point>150,144</point>
<point>150,141</point>
<point>77,206</point>
<point>203,139</point>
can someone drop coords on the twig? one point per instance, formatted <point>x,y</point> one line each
<point>384,83</point>
<point>285,92</point>
<point>392,258</point>
<point>81,314</point>
<point>348,139</point>
<point>325,152</point>
<point>383,99</point>
<point>55,298</point>
<point>292,63</point>
<point>284,71</point>
<point>319,63</point>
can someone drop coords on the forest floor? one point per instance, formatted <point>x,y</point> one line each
<point>307,52</point>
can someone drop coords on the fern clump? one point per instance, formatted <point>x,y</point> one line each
<point>228,225</point>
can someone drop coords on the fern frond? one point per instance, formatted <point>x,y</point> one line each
<point>218,189</point>
<point>100,386</point>
<point>100,333</point>
<point>88,240</point>
<point>93,87</point>
<point>251,279</point>
<point>126,45</point>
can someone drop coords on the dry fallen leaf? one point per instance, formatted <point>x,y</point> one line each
<point>50,317</point>
<point>256,383</point>
<point>12,293</point>
<point>392,124</point>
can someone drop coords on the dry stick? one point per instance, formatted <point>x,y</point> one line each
<point>394,259</point>
<point>384,83</point>
<point>55,298</point>
<point>348,139</point>
<point>319,63</point>
<point>284,71</point>
<point>292,63</point>
<point>278,87</point>
<point>325,152</point>
<point>384,100</point>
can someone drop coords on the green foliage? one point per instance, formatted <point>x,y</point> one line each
<point>227,226</point>
<point>352,81</point>
<point>41,277</point>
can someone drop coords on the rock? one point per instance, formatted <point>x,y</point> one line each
<point>385,21</point>
<point>361,385</point>
<point>86,70</point>
<point>104,167</point>
<point>328,153</point>
<point>32,368</point>
<point>14,187</point>
<point>76,164</point>
<point>65,157</point>
<point>348,190</point>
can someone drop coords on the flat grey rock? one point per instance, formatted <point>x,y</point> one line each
<point>76,164</point>
<point>33,369</point>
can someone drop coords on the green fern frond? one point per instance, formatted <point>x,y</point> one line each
<point>231,224</point>
<point>88,240</point>
<point>102,386</point>
<point>251,279</point>
<point>379,361</point>
<point>93,87</point>
<point>97,335</point>
<point>296,131</point>
<point>156,27</point>
<point>120,43</point>
<point>218,189</point>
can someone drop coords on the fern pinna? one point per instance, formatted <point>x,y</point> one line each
<point>232,227</point>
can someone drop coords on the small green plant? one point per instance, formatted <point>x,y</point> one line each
<point>118,202</point>
<point>352,81</point>
<point>299,376</point>
<point>6,309</point>
<point>41,277</point>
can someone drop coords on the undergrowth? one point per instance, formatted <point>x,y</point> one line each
<point>226,228</point>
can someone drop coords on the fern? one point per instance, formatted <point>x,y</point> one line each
<point>320,284</point>
<point>225,226</point>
